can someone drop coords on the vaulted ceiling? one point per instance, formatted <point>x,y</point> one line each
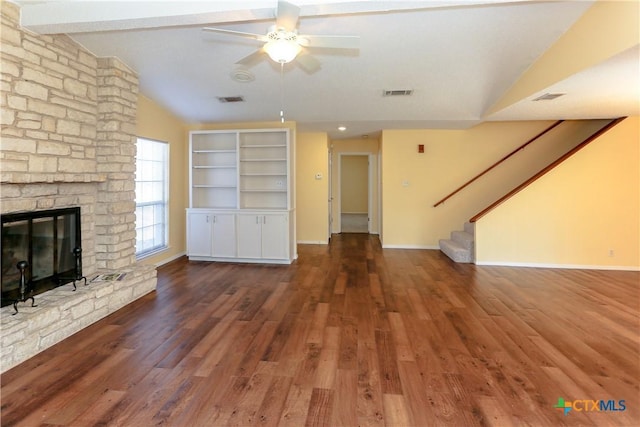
<point>460,59</point>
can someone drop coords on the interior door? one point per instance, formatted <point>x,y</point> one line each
<point>330,201</point>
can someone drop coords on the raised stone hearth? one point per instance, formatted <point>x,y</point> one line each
<point>68,139</point>
<point>61,312</point>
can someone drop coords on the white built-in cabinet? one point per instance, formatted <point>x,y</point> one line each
<point>240,196</point>
<point>199,234</point>
<point>262,235</point>
<point>211,234</point>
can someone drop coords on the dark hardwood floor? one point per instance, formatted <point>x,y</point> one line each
<point>349,335</point>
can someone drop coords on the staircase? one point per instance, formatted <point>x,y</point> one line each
<point>460,247</point>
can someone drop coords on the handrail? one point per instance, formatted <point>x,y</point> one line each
<point>497,163</point>
<point>547,169</point>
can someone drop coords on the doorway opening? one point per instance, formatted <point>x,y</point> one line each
<point>355,193</point>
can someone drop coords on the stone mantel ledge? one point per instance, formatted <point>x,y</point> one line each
<point>50,178</point>
<point>61,312</point>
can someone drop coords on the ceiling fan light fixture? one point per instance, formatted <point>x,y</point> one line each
<point>282,51</point>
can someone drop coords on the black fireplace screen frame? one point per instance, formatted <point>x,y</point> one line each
<point>9,278</point>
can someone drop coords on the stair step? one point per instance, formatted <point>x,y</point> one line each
<point>455,251</point>
<point>463,238</point>
<point>470,227</point>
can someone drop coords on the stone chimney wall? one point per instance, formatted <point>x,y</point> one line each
<point>69,119</point>
<point>68,135</point>
<point>115,155</point>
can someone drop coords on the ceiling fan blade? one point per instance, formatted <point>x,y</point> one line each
<point>336,42</point>
<point>259,37</point>
<point>252,59</point>
<point>307,62</point>
<point>287,15</point>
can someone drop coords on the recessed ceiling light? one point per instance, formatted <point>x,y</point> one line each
<point>342,128</point>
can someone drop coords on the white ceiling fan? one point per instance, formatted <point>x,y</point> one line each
<point>283,44</point>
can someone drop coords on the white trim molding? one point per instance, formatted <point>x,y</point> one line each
<point>558,266</point>
<point>410,247</point>
<point>168,260</point>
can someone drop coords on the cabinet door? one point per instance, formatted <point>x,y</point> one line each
<point>199,234</point>
<point>224,235</point>
<point>249,235</point>
<point>275,236</point>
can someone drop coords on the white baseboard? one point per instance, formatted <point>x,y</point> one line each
<point>558,266</point>
<point>168,260</point>
<point>354,213</point>
<point>312,242</point>
<point>409,247</point>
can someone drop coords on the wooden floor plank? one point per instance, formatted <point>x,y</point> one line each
<point>349,334</point>
<point>320,407</point>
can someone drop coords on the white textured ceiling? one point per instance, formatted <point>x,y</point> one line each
<point>458,57</point>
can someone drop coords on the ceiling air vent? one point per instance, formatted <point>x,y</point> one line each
<point>225,99</point>
<point>549,96</point>
<point>396,92</point>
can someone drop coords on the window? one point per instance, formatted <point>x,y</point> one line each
<point>152,183</point>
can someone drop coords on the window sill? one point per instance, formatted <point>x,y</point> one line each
<point>144,255</point>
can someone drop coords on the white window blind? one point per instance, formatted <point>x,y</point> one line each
<point>152,184</point>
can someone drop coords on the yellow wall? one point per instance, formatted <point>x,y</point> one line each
<point>354,191</point>
<point>312,208</point>
<point>155,122</point>
<point>451,158</point>
<point>576,214</point>
<point>604,30</point>
<point>354,146</point>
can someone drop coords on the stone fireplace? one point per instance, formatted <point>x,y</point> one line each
<point>68,140</point>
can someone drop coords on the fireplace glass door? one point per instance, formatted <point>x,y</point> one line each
<point>45,240</point>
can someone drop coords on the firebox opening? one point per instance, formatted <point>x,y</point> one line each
<point>46,241</point>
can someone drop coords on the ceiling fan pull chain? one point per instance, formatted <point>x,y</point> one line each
<point>282,92</point>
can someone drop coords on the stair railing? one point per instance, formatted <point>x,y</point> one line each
<point>463,186</point>
<point>547,169</point>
